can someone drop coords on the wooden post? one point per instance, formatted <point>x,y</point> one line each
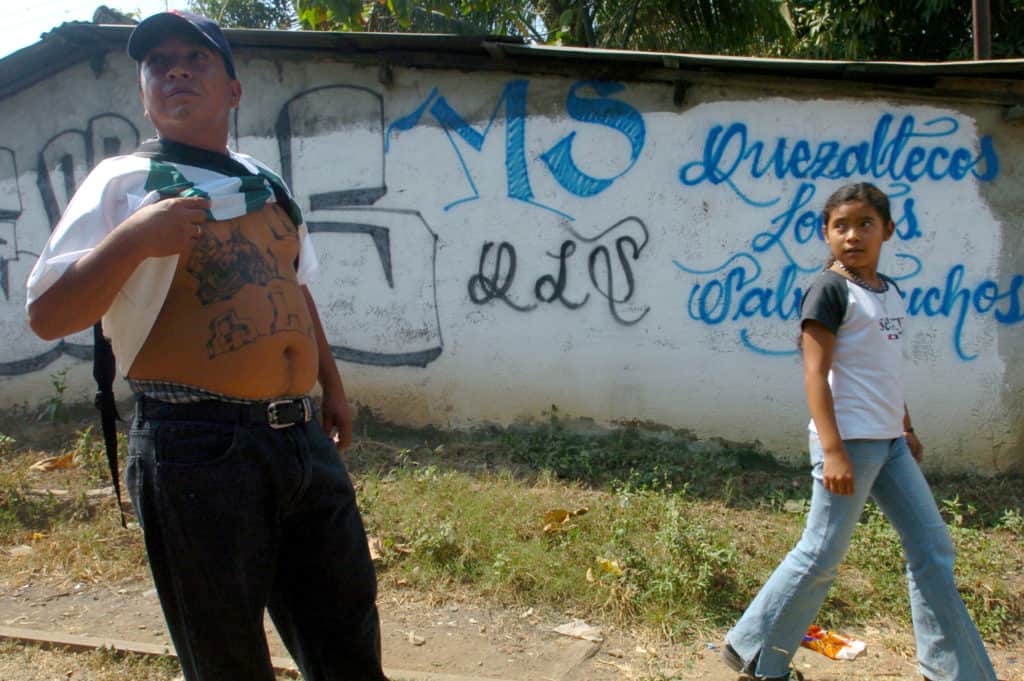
<point>982,29</point>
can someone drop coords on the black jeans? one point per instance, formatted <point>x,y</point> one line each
<point>241,517</point>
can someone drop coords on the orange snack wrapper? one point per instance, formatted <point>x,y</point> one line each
<point>831,644</point>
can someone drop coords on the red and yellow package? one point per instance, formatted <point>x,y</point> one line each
<point>833,645</point>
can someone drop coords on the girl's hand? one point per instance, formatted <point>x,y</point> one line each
<point>838,473</point>
<point>916,448</point>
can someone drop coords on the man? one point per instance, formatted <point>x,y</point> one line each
<point>196,258</point>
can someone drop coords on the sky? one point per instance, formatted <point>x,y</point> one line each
<point>25,20</point>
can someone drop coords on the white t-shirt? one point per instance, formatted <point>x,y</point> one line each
<point>867,364</point>
<point>117,188</point>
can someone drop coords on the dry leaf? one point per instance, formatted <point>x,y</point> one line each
<point>590,575</point>
<point>558,515</point>
<point>579,629</point>
<point>376,547</point>
<point>53,463</point>
<point>557,520</point>
<point>611,567</point>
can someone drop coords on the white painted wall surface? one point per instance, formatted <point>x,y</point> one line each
<point>492,245</point>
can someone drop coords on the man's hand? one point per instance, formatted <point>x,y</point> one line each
<point>337,418</point>
<point>916,448</point>
<point>838,473</point>
<point>87,288</point>
<point>166,227</point>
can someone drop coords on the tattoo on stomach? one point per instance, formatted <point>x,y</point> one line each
<point>223,268</point>
<point>279,313</point>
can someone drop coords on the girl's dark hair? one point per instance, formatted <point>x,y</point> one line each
<point>857,191</point>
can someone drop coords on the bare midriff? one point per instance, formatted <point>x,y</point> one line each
<point>235,320</point>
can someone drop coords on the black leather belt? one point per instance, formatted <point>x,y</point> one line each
<point>273,413</point>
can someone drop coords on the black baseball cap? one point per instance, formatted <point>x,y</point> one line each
<point>156,28</point>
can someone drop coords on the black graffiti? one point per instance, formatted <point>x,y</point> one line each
<point>71,152</point>
<point>557,284</point>
<point>483,288</point>
<point>319,112</point>
<point>612,277</point>
<point>61,164</point>
<point>381,240</point>
<point>10,211</point>
<point>340,206</point>
<point>606,287</point>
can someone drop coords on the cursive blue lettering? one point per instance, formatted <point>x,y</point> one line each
<point>908,151</point>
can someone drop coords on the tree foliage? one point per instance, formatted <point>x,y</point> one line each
<point>819,29</point>
<point>246,13</point>
<point>729,26</point>
<point>902,29</point>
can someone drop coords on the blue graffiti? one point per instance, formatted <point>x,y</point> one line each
<point>953,300</point>
<point>803,224</point>
<point>732,296</point>
<point>608,112</point>
<point>901,153</point>
<point>600,110</point>
<point>890,154</point>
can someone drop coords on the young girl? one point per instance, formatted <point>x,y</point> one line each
<point>862,443</point>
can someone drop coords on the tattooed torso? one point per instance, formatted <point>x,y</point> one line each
<point>235,319</point>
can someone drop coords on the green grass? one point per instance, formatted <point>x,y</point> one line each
<point>695,531</point>
<point>677,537</point>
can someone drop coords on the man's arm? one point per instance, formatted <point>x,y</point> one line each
<point>337,416</point>
<point>88,287</point>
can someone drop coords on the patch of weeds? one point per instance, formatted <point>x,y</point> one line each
<point>91,454</point>
<point>873,579</point>
<point>7,445</point>
<point>981,560</point>
<point>1012,521</point>
<point>680,568</point>
<point>636,555</point>
<point>53,408</point>
<point>988,498</point>
<point>630,456</point>
<point>20,508</point>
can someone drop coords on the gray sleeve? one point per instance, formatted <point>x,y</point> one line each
<point>825,301</point>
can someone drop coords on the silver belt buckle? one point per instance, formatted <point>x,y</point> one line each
<point>272,413</point>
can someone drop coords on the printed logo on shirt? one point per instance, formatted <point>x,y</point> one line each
<point>892,327</point>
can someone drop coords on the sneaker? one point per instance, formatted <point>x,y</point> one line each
<point>732,659</point>
<point>734,662</point>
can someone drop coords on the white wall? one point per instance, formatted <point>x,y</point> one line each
<point>492,244</point>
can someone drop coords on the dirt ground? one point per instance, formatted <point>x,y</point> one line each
<point>450,638</point>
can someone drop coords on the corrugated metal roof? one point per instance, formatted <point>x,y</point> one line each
<point>72,43</point>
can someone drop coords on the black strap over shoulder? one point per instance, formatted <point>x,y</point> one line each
<point>104,370</point>
<point>169,151</point>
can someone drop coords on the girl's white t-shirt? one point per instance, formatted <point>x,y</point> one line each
<point>867,363</point>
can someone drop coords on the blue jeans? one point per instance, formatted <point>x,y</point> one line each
<point>239,518</point>
<point>948,645</point>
